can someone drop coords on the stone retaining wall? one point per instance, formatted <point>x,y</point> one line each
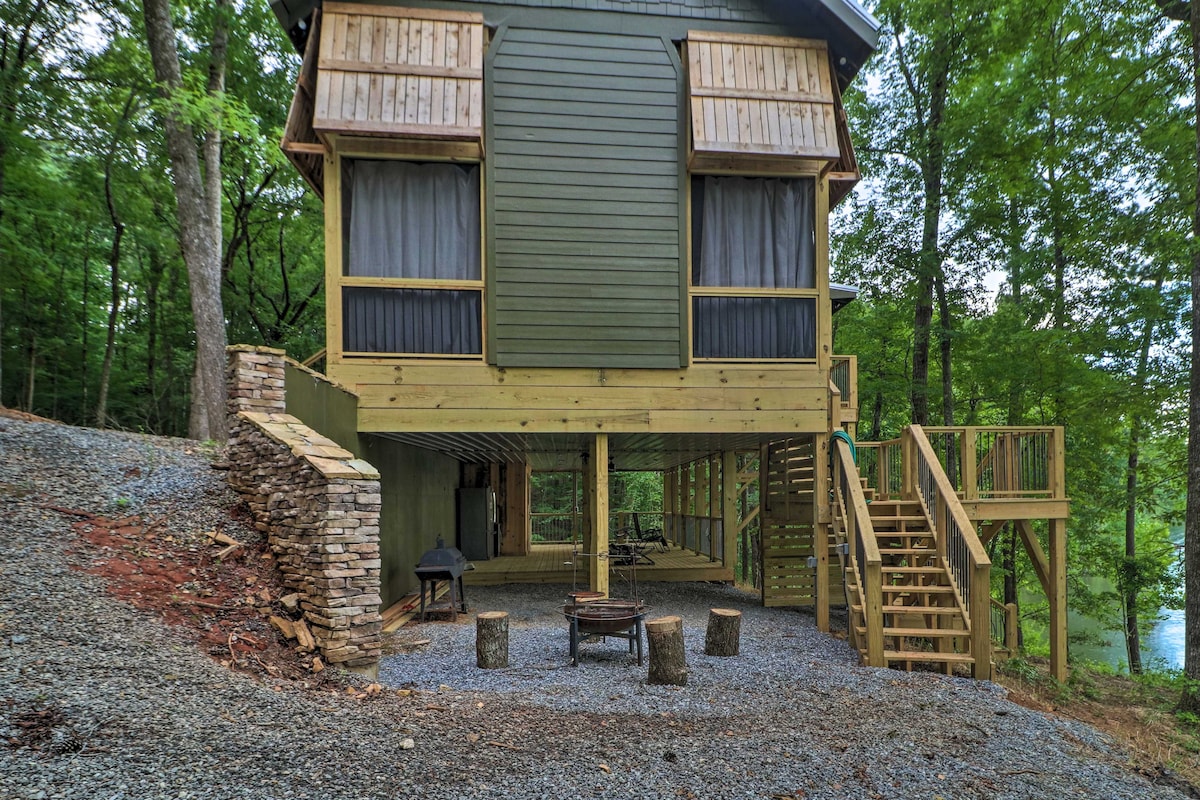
<point>318,504</point>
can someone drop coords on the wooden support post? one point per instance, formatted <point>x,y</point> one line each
<point>515,539</point>
<point>668,661</point>
<point>687,507</point>
<point>714,504</point>
<point>1058,599</point>
<point>729,515</point>
<point>668,508</point>
<point>724,634</point>
<point>822,514</point>
<point>597,481</point>
<point>491,640</point>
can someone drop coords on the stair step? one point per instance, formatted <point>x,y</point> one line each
<point>857,608</point>
<point>908,551</point>
<point>925,655</point>
<point>915,570</point>
<point>916,633</point>
<point>918,589</point>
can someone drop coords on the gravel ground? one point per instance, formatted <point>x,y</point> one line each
<point>132,708</point>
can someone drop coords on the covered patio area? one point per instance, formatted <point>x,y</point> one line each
<point>564,563</point>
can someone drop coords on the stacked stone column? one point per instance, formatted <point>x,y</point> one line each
<point>318,505</point>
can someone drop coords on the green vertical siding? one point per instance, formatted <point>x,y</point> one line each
<point>584,200</point>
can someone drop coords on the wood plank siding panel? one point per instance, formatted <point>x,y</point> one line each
<point>761,95</point>
<point>386,71</point>
<point>584,200</point>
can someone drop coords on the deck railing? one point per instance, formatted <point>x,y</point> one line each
<point>981,463</point>
<point>843,372</point>
<point>1004,627</point>
<point>854,522</point>
<point>962,552</point>
<point>555,527</point>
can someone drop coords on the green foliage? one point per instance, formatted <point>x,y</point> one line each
<point>93,110</point>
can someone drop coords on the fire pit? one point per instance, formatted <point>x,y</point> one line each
<point>598,619</point>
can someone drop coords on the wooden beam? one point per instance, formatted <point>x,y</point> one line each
<point>991,529</point>
<point>386,370</point>
<point>1037,556</point>
<point>390,420</point>
<point>1058,599</point>
<point>597,475</point>
<point>333,256</point>
<point>729,509</point>
<point>369,10</point>
<point>714,503</point>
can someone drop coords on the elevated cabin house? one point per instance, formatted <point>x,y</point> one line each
<point>592,235</point>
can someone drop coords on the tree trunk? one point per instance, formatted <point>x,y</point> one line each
<point>114,311</point>
<point>199,226</point>
<point>723,637</point>
<point>114,265</point>
<point>1190,700</point>
<point>1131,577</point>
<point>491,640</point>
<point>668,661</point>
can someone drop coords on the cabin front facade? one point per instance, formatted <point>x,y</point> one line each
<point>592,235</point>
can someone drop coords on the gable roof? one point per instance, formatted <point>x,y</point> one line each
<point>851,31</point>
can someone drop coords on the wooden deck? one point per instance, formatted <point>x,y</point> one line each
<point>550,563</point>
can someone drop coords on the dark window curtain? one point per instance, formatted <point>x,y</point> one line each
<point>754,233</point>
<point>419,221</point>
<point>422,321</point>
<point>413,221</point>
<point>754,327</point>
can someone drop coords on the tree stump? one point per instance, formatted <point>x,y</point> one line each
<point>668,662</point>
<point>491,640</point>
<point>724,632</point>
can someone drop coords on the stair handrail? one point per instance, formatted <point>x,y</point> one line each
<point>863,550</point>
<point>958,545</point>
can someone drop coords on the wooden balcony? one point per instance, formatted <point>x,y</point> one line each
<point>999,472</point>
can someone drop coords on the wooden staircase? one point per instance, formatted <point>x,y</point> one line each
<point>909,601</point>
<point>923,621</point>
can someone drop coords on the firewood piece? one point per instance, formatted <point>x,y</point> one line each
<point>221,538</point>
<point>491,640</point>
<point>223,552</point>
<point>724,634</point>
<point>668,661</point>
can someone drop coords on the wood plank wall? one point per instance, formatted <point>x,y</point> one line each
<point>761,95</point>
<point>386,71</point>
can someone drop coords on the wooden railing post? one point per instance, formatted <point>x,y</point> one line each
<point>873,612</point>
<point>908,464</point>
<point>1056,469</point>
<point>970,464</point>
<point>981,619</point>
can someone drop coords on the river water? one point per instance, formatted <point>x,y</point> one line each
<point>1162,646</point>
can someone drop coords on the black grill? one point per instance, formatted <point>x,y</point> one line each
<point>443,564</point>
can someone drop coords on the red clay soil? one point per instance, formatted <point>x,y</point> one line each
<point>223,603</point>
